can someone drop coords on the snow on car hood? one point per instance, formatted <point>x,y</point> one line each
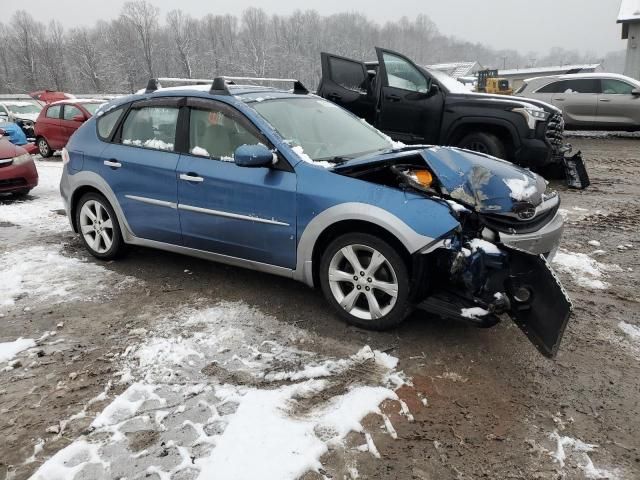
<point>484,183</point>
<point>27,116</point>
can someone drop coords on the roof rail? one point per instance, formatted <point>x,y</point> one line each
<point>155,83</point>
<point>219,85</point>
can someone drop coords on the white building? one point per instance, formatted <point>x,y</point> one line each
<point>629,17</point>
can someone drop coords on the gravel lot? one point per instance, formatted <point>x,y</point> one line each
<point>159,365</point>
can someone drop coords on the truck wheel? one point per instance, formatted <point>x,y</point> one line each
<point>43,148</point>
<point>98,226</point>
<point>484,143</point>
<point>366,281</point>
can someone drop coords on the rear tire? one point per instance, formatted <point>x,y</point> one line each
<point>43,148</point>
<point>486,143</point>
<point>21,193</point>
<point>98,227</point>
<point>366,281</point>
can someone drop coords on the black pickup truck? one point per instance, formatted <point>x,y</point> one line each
<point>415,105</point>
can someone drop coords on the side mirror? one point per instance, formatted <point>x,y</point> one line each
<point>254,156</point>
<point>78,118</point>
<point>635,92</point>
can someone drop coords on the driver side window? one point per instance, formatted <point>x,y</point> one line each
<point>402,74</point>
<point>216,134</point>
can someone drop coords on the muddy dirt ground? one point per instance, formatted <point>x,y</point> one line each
<point>482,403</point>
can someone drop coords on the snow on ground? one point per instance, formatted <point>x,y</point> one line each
<point>40,273</point>
<point>228,392</point>
<point>41,212</point>
<point>8,350</point>
<point>583,269</point>
<point>576,452</point>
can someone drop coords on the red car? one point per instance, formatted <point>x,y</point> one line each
<point>50,96</point>
<point>18,174</point>
<point>57,122</point>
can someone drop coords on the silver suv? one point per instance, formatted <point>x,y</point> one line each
<point>599,101</point>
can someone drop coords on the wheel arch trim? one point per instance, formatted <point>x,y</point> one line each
<point>412,240</point>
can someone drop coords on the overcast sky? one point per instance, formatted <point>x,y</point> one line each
<point>533,25</point>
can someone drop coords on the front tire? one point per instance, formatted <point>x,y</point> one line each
<point>43,148</point>
<point>366,281</point>
<point>486,143</point>
<point>98,227</point>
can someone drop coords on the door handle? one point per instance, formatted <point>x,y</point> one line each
<point>191,177</point>
<point>393,98</point>
<point>605,100</point>
<point>560,99</point>
<point>112,164</point>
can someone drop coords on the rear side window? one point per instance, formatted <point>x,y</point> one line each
<point>616,87</point>
<point>554,87</point>
<point>70,111</point>
<point>584,85</point>
<point>348,74</point>
<point>216,134</point>
<point>54,112</point>
<point>151,127</point>
<point>107,122</point>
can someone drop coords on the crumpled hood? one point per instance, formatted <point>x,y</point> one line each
<point>484,183</point>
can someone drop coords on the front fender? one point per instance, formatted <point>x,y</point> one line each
<point>454,127</point>
<point>326,198</point>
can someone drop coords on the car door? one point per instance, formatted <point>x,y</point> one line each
<point>346,82</point>
<point>49,127</point>
<point>617,106</point>
<point>72,119</point>
<point>140,167</point>
<point>408,110</point>
<point>579,101</point>
<point>241,212</point>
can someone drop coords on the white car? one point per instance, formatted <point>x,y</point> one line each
<point>22,112</point>
<point>592,101</point>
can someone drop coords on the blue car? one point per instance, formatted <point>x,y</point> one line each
<point>284,182</point>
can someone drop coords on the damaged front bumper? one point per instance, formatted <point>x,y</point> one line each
<point>486,281</point>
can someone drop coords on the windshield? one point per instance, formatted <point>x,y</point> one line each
<point>92,107</point>
<point>321,129</point>
<point>449,83</point>
<point>23,107</point>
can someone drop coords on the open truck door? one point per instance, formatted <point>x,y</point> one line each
<point>410,103</point>
<point>346,83</point>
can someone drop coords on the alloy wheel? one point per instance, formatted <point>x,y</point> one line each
<point>363,282</point>
<point>96,226</point>
<point>43,147</point>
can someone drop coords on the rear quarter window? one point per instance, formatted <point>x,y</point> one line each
<point>53,112</point>
<point>107,123</point>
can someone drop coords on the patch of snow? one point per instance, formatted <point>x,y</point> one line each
<point>521,189</point>
<point>70,461</point>
<point>487,247</point>
<point>594,243</point>
<point>212,372</point>
<point>631,330</point>
<point>568,448</point>
<point>457,207</point>
<point>43,273</point>
<point>8,350</point>
<point>474,312</point>
<point>584,270</point>
<point>200,151</point>
<point>154,143</point>
<point>306,158</point>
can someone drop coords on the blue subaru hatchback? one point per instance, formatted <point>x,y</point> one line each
<point>284,182</point>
